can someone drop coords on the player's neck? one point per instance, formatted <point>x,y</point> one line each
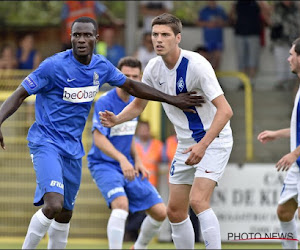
<point>171,58</point>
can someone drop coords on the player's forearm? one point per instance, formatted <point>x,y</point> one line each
<point>106,147</point>
<point>12,103</point>
<point>221,118</point>
<point>282,133</point>
<point>134,109</point>
<point>143,91</point>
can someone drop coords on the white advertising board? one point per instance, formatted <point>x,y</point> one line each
<point>245,202</point>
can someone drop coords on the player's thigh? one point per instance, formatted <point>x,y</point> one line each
<point>215,160</point>
<point>179,197</point>
<point>201,193</point>
<point>286,211</point>
<point>72,178</point>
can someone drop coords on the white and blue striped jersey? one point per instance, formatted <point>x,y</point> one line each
<point>192,72</point>
<point>295,126</point>
<point>65,90</point>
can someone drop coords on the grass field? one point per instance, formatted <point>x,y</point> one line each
<point>16,243</point>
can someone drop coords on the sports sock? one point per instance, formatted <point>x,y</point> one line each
<point>116,228</point>
<point>37,228</point>
<point>58,235</point>
<point>288,228</point>
<point>210,229</point>
<point>183,234</point>
<point>149,228</point>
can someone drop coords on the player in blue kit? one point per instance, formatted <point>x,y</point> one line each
<point>65,86</point>
<point>114,162</point>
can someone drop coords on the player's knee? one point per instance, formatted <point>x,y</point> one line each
<point>52,209</point>
<point>175,215</point>
<point>199,205</point>
<point>284,214</point>
<point>160,215</point>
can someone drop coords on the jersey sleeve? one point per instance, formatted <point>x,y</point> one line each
<point>147,76</point>
<point>99,106</point>
<point>114,77</point>
<point>208,80</point>
<point>40,79</point>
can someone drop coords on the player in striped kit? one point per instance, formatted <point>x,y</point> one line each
<point>289,198</point>
<point>204,136</point>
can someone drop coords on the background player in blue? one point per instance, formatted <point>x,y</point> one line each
<point>204,137</point>
<point>65,86</point>
<point>114,162</point>
<point>289,200</point>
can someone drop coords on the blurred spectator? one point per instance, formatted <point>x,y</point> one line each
<point>71,10</point>
<point>246,17</point>
<point>146,51</point>
<point>213,19</point>
<point>149,150</point>
<point>285,28</point>
<point>7,57</point>
<point>108,47</point>
<point>28,57</point>
<point>151,9</point>
<point>202,50</point>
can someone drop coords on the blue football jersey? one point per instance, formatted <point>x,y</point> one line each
<point>65,90</point>
<point>120,135</point>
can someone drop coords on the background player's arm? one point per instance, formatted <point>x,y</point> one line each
<point>222,116</point>
<point>10,106</point>
<point>134,109</point>
<point>107,148</point>
<point>138,164</point>
<point>183,101</point>
<point>270,135</point>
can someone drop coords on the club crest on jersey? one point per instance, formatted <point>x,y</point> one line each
<point>180,84</point>
<point>96,79</point>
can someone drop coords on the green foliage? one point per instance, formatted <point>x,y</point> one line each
<point>30,13</point>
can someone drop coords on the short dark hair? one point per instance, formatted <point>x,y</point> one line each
<point>85,19</point>
<point>168,19</point>
<point>130,62</point>
<point>297,46</point>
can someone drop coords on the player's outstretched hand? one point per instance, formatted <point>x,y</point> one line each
<point>266,136</point>
<point>108,118</point>
<point>186,101</point>
<point>1,140</point>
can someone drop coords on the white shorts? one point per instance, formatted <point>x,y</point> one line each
<point>291,186</point>
<point>211,166</point>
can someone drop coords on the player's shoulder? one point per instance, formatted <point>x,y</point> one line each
<point>194,57</point>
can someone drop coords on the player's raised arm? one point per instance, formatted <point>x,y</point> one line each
<point>183,101</point>
<point>10,106</point>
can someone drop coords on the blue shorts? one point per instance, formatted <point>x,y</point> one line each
<point>141,194</point>
<point>55,173</point>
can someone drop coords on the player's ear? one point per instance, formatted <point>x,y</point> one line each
<point>178,38</point>
<point>97,37</point>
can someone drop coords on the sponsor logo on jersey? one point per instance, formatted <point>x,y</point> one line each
<point>180,84</point>
<point>71,80</point>
<point>96,79</point>
<point>126,128</point>
<point>57,184</point>
<point>78,95</point>
<point>114,191</point>
<point>30,83</point>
